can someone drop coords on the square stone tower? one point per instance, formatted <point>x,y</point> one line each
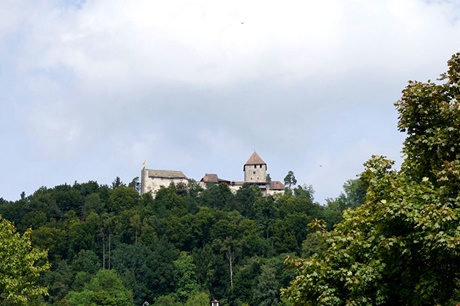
<point>255,169</point>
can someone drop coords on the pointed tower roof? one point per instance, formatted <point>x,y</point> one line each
<point>255,160</point>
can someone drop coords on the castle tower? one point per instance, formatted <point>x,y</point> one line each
<point>255,169</point>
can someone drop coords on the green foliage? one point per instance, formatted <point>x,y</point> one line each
<point>58,281</point>
<point>198,299</point>
<point>122,198</point>
<point>402,246</point>
<point>21,266</point>
<point>290,180</point>
<point>162,259</point>
<point>186,284</point>
<point>67,198</point>
<point>87,261</point>
<point>81,236</point>
<point>313,244</point>
<point>353,196</point>
<point>105,288</point>
<point>167,300</point>
<point>117,183</point>
<point>266,287</point>
<point>132,261</point>
<point>93,203</point>
<point>245,199</point>
<point>50,238</point>
<point>217,196</point>
<point>186,245</point>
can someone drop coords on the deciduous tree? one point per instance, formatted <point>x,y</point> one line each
<point>21,266</point>
<point>106,288</point>
<point>402,246</point>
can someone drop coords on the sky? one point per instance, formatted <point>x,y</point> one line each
<point>89,90</point>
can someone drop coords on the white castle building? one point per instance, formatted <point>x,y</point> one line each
<point>255,173</point>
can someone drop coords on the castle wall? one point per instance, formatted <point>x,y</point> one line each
<point>153,183</point>
<point>255,173</point>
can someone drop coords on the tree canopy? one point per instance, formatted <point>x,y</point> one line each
<point>184,246</point>
<point>402,246</point>
<point>21,265</point>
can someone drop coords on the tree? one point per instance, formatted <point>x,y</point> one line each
<point>105,288</point>
<point>52,239</point>
<point>402,246</point>
<point>131,260</point>
<point>290,180</point>
<point>207,269</point>
<point>67,199</point>
<point>93,203</point>
<point>167,300</point>
<point>162,258</point>
<point>353,195</point>
<point>136,222</point>
<point>81,235</point>
<point>58,281</point>
<point>217,196</point>
<point>135,184</point>
<point>313,244</point>
<point>123,198</point>
<point>186,284</point>
<point>245,198</point>
<point>117,183</point>
<point>266,287</point>
<point>21,266</point>
<point>264,210</point>
<point>198,299</point>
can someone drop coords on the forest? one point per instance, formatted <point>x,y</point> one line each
<point>185,246</point>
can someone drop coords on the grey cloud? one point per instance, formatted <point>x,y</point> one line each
<point>102,86</point>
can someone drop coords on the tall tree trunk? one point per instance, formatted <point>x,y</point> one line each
<point>109,250</point>
<point>103,249</point>
<point>230,263</point>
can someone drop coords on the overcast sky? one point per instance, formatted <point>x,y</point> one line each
<point>91,89</point>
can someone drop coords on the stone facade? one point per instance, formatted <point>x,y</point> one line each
<point>255,173</point>
<point>153,180</point>
<point>255,169</point>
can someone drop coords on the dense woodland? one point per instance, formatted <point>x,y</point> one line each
<point>107,245</point>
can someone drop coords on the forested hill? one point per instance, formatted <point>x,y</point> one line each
<point>109,246</point>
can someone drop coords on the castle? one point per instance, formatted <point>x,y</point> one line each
<point>255,173</point>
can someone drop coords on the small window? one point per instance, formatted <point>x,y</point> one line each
<point>255,166</point>
<point>253,172</point>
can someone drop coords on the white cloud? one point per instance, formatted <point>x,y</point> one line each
<point>190,81</point>
<point>204,42</point>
